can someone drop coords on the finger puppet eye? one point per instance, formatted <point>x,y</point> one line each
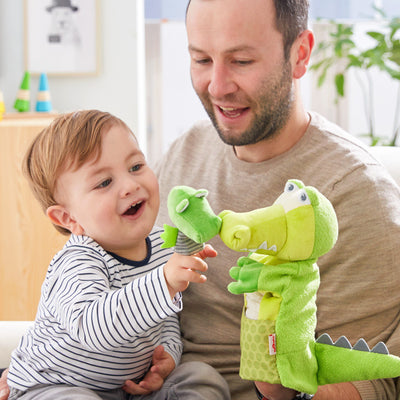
<point>182,206</point>
<point>201,193</point>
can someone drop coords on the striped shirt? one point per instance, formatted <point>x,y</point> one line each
<point>186,246</point>
<point>99,319</point>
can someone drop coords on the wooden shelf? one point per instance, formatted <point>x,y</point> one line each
<point>28,241</point>
<point>28,115</point>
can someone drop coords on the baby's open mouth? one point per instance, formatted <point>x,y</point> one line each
<point>134,208</point>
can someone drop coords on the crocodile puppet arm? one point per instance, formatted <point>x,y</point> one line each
<point>280,279</point>
<point>194,219</point>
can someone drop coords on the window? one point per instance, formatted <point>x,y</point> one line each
<point>165,9</point>
<point>354,9</point>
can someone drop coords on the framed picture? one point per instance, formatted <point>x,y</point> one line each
<point>61,37</point>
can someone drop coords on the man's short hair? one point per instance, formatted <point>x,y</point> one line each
<point>291,20</point>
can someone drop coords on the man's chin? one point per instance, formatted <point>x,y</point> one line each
<point>228,137</point>
<point>232,138</point>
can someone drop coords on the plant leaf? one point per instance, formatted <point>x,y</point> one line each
<point>378,36</point>
<point>339,82</point>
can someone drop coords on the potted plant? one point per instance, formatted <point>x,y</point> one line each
<point>340,53</point>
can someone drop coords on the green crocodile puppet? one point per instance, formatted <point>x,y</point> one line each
<point>280,279</point>
<point>195,221</point>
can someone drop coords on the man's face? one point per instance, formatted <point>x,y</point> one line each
<point>238,68</point>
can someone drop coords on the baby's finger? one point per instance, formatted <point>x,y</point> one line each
<point>133,388</point>
<point>190,275</point>
<point>197,264</point>
<point>208,251</point>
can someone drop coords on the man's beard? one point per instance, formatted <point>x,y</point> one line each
<point>275,100</point>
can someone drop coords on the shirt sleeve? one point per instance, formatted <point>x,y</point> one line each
<point>102,318</point>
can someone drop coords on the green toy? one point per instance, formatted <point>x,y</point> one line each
<point>190,211</point>
<point>280,279</point>
<point>22,102</point>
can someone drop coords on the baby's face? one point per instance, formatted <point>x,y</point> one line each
<point>114,199</point>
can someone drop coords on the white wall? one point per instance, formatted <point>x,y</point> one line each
<point>116,87</point>
<point>173,105</point>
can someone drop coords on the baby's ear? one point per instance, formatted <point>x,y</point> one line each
<point>60,216</point>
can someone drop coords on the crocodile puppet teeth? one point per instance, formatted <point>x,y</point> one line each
<point>262,246</point>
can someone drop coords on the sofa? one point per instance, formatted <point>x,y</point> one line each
<point>11,331</point>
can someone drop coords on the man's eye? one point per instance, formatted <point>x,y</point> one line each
<point>243,62</point>
<point>202,61</point>
<point>104,184</point>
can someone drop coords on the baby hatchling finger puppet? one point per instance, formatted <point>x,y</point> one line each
<point>195,221</point>
<point>280,279</point>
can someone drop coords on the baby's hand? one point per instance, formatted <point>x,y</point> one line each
<point>180,269</point>
<point>4,390</point>
<point>162,365</point>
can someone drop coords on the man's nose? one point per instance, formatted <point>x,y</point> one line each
<point>221,82</point>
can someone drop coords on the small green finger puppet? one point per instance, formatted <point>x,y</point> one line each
<point>279,280</point>
<point>195,221</point>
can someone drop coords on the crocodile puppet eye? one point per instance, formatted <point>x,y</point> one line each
<point>290,187</point>
<point>304,197</point>
<point>293,197</point>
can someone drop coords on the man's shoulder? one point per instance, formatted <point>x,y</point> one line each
<point>201,132</point>
<point>336,142</point>
<point>332,131</point>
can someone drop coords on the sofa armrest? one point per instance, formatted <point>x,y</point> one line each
<point>10,335</point>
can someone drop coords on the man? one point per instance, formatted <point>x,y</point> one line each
<point>247,57</point>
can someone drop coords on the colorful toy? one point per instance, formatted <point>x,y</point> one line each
<point>2,106</point>
<point>280,279</point>
<point>190,211</point>
<point>22,103</point>
<point>43,102</point>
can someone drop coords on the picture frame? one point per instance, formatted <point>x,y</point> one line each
<point>61,37</point>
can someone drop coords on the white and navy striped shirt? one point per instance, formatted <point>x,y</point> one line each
<point>99,319</point>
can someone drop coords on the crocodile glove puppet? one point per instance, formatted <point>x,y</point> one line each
<point>194,219</point>
<point>280,279</point>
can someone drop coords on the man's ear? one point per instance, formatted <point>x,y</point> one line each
<point>301,53</point>
<point>60,216</point>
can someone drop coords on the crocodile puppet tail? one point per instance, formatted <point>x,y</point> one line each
<point>340,362</point>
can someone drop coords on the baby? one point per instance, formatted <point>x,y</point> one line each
<point>106,325</point>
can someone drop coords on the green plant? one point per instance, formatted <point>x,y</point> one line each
<point>339,53</point>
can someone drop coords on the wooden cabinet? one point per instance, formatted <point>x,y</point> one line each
<point>28,240</point>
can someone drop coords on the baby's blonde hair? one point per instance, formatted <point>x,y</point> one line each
<point>68,142</point>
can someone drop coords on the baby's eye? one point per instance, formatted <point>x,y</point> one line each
<point>104,184</point>
<point>136,168</point>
